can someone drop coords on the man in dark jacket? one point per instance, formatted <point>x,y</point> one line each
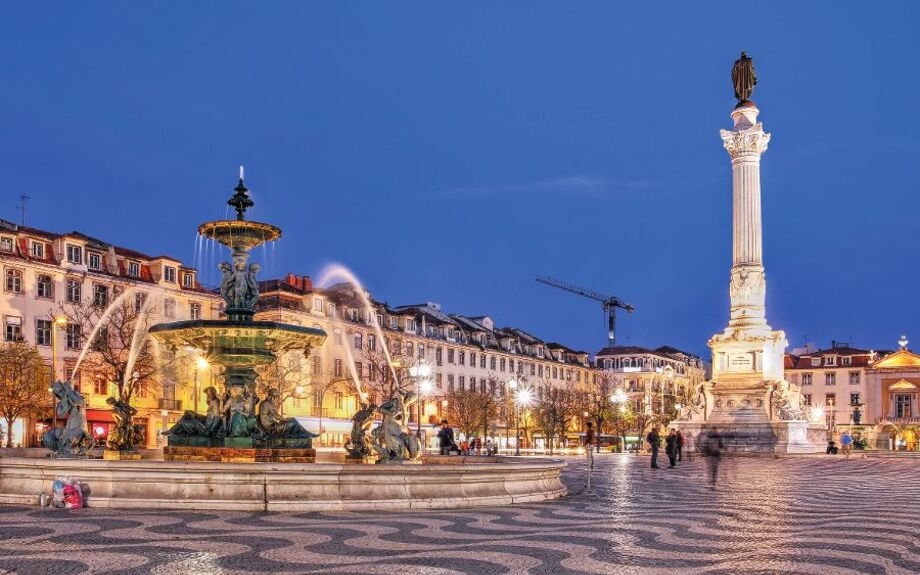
<point>446,438</point>
<point>654,441</point>
<point>670,448</point>
<point>589,444</point>
<point>680,445</point>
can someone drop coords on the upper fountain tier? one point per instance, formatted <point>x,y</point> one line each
<point>240,234</point>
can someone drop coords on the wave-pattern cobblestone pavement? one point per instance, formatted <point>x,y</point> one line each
<point>796,515</point>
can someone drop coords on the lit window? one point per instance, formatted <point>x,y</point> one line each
<point>43,332</point>
<point>73,337</point>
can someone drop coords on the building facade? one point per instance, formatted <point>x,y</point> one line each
<point>370,341</point>
<point>45,273</point>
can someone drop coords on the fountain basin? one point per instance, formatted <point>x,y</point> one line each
<point>437,483</point>
<point>238,343</point>
<point>240,233</point>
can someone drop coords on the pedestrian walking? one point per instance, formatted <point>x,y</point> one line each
<point>680,445</point>
<point>712,449</point>
<point>446,438</point>
<point>846,443</point>
<point>589,444</point>
<point>654,442</point>
<point>671,449</point>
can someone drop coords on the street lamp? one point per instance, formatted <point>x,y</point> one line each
<point>59,321</point>
<point>200,363</point>
<point>420,372</point>
<point>521,400</point>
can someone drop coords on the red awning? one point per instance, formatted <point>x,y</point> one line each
<point>101,415</point>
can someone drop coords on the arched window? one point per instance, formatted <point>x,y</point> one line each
<point>14,281</point>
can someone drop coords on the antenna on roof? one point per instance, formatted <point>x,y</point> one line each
<point>22,209</point>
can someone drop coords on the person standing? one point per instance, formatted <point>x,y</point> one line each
<point>446,438</point>
<point>690,444</point>
<point>654,442</point>
<point>712,449</point>
<point>671,449</point>
<point>589,444</point>
<point>680,445</point>
<point>846,443</point>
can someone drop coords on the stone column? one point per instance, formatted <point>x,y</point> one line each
<point>745,143</point>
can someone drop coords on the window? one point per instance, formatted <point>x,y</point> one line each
<point>13,328</point>
<point>502,364</point>
<point>437,380</point>
<point>337,336</point>
<point>830,400</point>
<point>74,291</point>
<point>462,382</point>
<point>372,342</point>
<point>38,250</point>
<point>806,398</point>
<point>359,369</point>
<point>317,365</point>
<point>472,359</point>
<point>169,274</point>
<point>394,323</point>
<point>44,287</point>
<point>830,360</point>
<point>472,384</point>
<point>438,356</point>
<point>318,304</point>
<point>815,361</point>
<point>830,378</point>
<point>491,362</point>
<point>359,341</point>
<point>188,280</point>
<point>94,261</point>
<point>74,254</point>
<point>43,332</point>
<point>330,309</point>
<point>318,399</point>
<point>806,379</point>
<point>846,360</point>
<point>902,405</point>
<point>450,382</point>
<point>6,245</point>
<point>14,281</point>
<point>410,325</point>
<point>533,369</point>
<point>450,356</point>
<point>100,295</point>
<point>134,269</point>
<point>73,339</point>
<point>194,310</point>
<point>139,300</point>
<point>337,368</point>
<point>854,399</point>
<point>461,357</point>
<point>339,400</point>
<point>169,308</point>
<point>421,351</point>
<point>101,386</point>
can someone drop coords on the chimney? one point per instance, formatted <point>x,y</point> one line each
<point>292,280</point>
<point>306,284</point>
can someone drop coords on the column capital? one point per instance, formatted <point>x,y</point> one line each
<point>745,142</point>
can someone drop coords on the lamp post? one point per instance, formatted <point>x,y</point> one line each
<point>58,322</point>
<point>521,399</point>
<point>200,363</point>
<point>420,372</point>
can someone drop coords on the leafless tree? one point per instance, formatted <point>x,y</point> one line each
<point>288,374</point>
<point>24,380</point>
<point>468,409</point>
<point>555,413</point>
<point>595,401</point>
<point>381,366</point>
<point>124,328</point>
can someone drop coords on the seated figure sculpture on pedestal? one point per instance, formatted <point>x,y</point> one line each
<point>392,441</point>
<point>194,424</point>
<point>277,427</point>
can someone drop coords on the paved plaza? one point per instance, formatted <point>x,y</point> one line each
<point>794,515</point>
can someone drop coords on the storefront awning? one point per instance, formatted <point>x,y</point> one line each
<point>99,415</point>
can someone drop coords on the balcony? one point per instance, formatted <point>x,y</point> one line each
<point>171,404</point>
<point>319,412</point>
<point>900,420</point>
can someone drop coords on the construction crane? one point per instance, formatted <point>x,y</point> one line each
<point>608,303</point>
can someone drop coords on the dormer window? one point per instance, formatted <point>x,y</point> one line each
<point>134,269</point>
<point>37,250</point>
<point>846,360</point>
<point>74,254</point>
<point>169,274</point>
<point>831,360</point>
<point>815,361</point>
<point>188,280</point>
<point>6,245</point>
<point>318,304</point>
<point>94,261</point>
<point>330,310</point>
<point>394,323</point>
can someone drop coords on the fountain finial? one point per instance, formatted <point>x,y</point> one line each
<point>241,200</point>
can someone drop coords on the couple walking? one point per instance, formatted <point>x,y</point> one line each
<point>674,447</point>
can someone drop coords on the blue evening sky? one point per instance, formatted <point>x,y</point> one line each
<point>450,152</point>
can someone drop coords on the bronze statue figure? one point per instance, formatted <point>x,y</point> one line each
<point>73,439</point>
<point>275,426</point>
<point>121,435</point>
<point>359,445</point>
<point>744,78</point>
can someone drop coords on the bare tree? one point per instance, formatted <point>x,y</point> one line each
<point>621,420</point>
<point>555,413</point>
<point>123,329</point>
<point>24,380</point>
<point>596,402</point>
<point>468,409</point>
<point>383,364</point>
<point>287,374</point>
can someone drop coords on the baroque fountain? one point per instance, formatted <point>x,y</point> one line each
<point>243,455</point>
